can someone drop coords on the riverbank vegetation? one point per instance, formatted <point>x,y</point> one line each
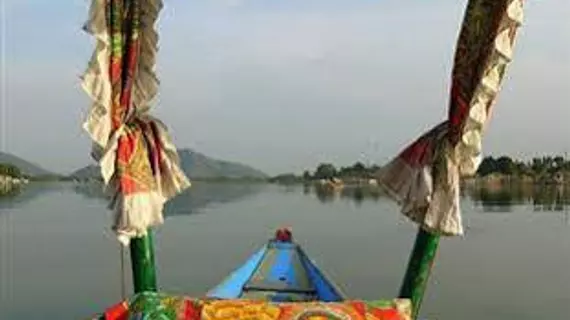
<point>11,179</point>
<point>537,166</point>
<point>9,170</point>
<point>502,199</point>
<point>547,169</point>
<point>328,171</point>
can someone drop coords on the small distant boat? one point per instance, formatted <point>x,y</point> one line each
<point>280,272</point>
<point>332,184</point>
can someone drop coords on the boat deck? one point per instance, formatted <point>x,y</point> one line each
<point>150,305</point>
<point>278,282</point>
<point>280,272</point>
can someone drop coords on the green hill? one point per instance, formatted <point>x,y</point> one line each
<point>196,166</point>
<point>26,167</point>
<point>199,166</point>
<point>88,172</point>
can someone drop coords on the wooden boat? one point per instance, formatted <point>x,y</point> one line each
<point>333,184</point>
<point>279,281</point>
<point>139,163</point>
<point>281,272</point>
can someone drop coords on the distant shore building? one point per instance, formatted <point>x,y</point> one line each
<point>8,183</point>
<point>558,177</point>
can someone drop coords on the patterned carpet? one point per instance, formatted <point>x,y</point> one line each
<point>155,306</point>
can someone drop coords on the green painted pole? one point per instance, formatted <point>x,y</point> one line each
<point>419,268</point>
<point>142,263</point>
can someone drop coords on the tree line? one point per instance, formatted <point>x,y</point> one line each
<point>10,170</point>
<point>329,171</point>
<point>536,167</point>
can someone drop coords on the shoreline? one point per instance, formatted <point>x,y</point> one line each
<point>9,184</point>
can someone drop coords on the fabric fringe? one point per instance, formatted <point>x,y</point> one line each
<point>468,151</point>
<point>137,211</point>
<point>425,178</point>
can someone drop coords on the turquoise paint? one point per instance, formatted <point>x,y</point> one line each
<point>232,287</point>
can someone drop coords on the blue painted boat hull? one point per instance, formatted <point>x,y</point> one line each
<point>280,271</point>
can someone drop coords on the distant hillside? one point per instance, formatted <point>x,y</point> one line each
<point>28,168</point>
<point>200,166</point>
<point>196,166</point>
<point>90,171</point>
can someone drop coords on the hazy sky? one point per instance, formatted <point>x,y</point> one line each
<point>285,84</point>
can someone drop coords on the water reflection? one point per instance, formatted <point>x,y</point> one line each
<point>503,198</point>
<point>358,194</point>
<point>555,198</point>
<point>203,194</point>
<point>90,190</point>
<point>490,199</point>
<point>199,196</point>
<point>12,191</point>
<point>29,192</point>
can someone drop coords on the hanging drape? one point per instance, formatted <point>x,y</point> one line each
<point>425,177</point>
<point>139,162</point>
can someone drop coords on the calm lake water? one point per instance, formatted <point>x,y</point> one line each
<point>58,259</point>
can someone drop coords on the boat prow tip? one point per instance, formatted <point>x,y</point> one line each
<point>284,234</point>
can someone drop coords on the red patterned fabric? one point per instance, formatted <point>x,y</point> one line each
<point>354,310</point>
<point>424,178</point>
<point>138,161</point>
<point>160,306</point>
<point>120,311</point>
<point>476,44</point>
